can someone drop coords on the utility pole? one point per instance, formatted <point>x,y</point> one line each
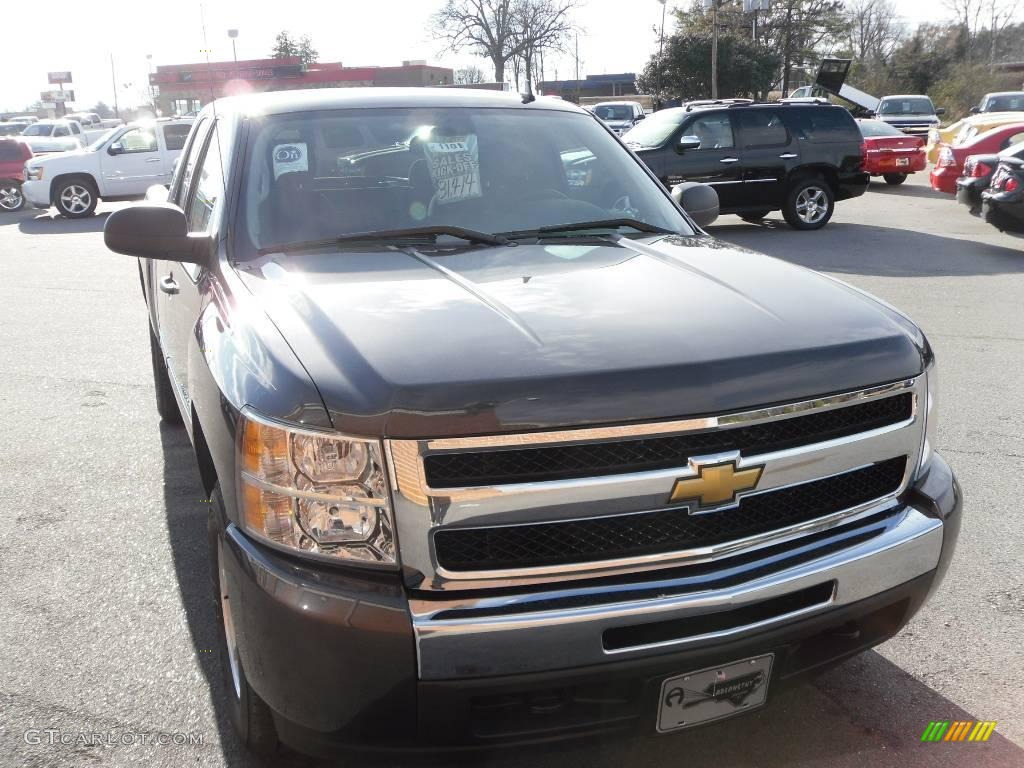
<point>577,57</point>
<point>113,80</point>
<point>661,47</point>
<point>714,49</point>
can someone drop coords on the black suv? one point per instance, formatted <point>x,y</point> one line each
<point>797,158</point>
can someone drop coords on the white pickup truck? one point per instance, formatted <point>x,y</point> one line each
<point>121,165</point>
<point>62,135</point>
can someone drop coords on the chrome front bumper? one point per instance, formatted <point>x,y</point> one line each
<point>502,635</point>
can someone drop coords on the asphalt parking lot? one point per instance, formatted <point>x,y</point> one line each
<point>105,623</point>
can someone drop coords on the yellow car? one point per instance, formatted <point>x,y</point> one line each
<point>964,130</point>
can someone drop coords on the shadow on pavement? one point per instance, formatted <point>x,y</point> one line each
<point>50,223</point>
<point>867,712</point>
<point>905,190</point>
<point>879,250</point>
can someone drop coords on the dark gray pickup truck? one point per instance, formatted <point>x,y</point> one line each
<point>503,447</point>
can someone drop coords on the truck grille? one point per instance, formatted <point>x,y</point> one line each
<point>633,535</point>
<point>593,459</point>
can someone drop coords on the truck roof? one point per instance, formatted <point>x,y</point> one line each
<point>282,102</point>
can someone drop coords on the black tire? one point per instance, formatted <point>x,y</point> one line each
<point>75,198</point>
<point>756,216</point>
<point>894,178</point>
<point>166,405</point>
<point>809,203</point>
<point>11,197</point>
<point>249,714</point>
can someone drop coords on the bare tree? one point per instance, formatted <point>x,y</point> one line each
<point>1000,14</point>
<point>469,75</point>
<point>874,31</point>
<point>540,25</point>
<point>968,15</point>
<point>483,26</point>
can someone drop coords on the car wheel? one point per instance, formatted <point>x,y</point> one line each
<point>11,197</point>
<point>249,714</point>
<point>166,405</point>
<point>755,217</point>
<point>809,204</point>
<point>75,199</point>
<point>894,178</point>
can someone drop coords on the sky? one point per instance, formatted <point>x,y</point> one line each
<point>84,37</point>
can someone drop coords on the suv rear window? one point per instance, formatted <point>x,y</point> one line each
<point>824,124</point>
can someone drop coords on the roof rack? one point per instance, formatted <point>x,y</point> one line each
<point>805,100</point>
<point>706,103</point>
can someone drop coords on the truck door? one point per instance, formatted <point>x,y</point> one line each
<point>179,286</point>
<point>132,163</point>
<point>769,152</point>
<point>716,161</point>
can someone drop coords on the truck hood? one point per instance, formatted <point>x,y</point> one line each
<point>408,343</point>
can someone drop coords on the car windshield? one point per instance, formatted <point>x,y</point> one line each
<point>1006,102</point>
<point>918,105</point>
<point>37,129</point>
<point>875,128</point>
<point>318,175</point>
<point>102,139</point>
<point>653,131</point>
<point>613,112</point>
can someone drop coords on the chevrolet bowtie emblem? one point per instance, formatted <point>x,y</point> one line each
<point>715,484</point>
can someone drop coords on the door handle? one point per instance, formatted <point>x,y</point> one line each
<point>729,160</point>
<point>167,284</point>
<point>787,155</point>
<point>153,160</point>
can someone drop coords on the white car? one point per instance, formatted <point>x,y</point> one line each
<point>54,136</point>
<point>121,165</point>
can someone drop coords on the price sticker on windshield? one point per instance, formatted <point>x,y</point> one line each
<point>454,164</point>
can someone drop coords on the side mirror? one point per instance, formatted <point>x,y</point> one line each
<point>940,111</point>
<point>700,201</point>
<point>975,110</point>
<point>155,230</point>
<point>117,148</point>
<point>639,117</point>
<point>688,142</point>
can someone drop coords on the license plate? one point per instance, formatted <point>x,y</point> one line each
<point>714,693</point>
<point>902,161</point>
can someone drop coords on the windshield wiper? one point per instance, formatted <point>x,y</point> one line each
<point>423,234</point>
<point>579,226</point>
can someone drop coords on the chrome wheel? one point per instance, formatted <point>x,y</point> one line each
<point>75,198</point>
<point>11,198</point>
<point>229,626</point>
<point>811,205</point>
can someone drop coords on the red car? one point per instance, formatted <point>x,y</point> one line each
<point>890,153</point>
<point>13,155</point>
<point>950,163</point>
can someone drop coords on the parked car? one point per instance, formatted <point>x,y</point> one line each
<point>11,129</point>
<point>54,136</point>
<point>23,119</point>
<point>968,126</point>
<point>620,116</point>
<point>1002,204</point>
<point>454,483</point>
<point>977,176</point>
<point>798,158</point>
<point>949,166</point>
<point>13,156</point>
<point>1002,101</point>
<point>914,114</point>
<point>890,153</point>
<point>121,165</point>
<point>91,121</point>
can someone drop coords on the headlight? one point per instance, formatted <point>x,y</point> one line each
<point>931,414</point>
<point>318,493</point>
<point>34,173</point>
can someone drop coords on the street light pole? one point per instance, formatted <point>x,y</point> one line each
<point>714,49</point>
<point>233,34</point>
<point>113,80</point>
<point>661,47</point>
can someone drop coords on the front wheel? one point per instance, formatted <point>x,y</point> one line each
<point>809,204</point>
<point>166,405</point>
<point>75,199</point>
<point>248,713</point>
<point>894,178</point>
<point>11,196</point>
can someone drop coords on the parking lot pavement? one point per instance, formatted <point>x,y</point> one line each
<point>105,621</point>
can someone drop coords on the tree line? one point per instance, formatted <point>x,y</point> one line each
<point>954,61</point>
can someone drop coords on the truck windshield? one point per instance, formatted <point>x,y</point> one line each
<point>37,129</point>
<point>653,131</point>
<point>907,106</point>
<point>318,175</point>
